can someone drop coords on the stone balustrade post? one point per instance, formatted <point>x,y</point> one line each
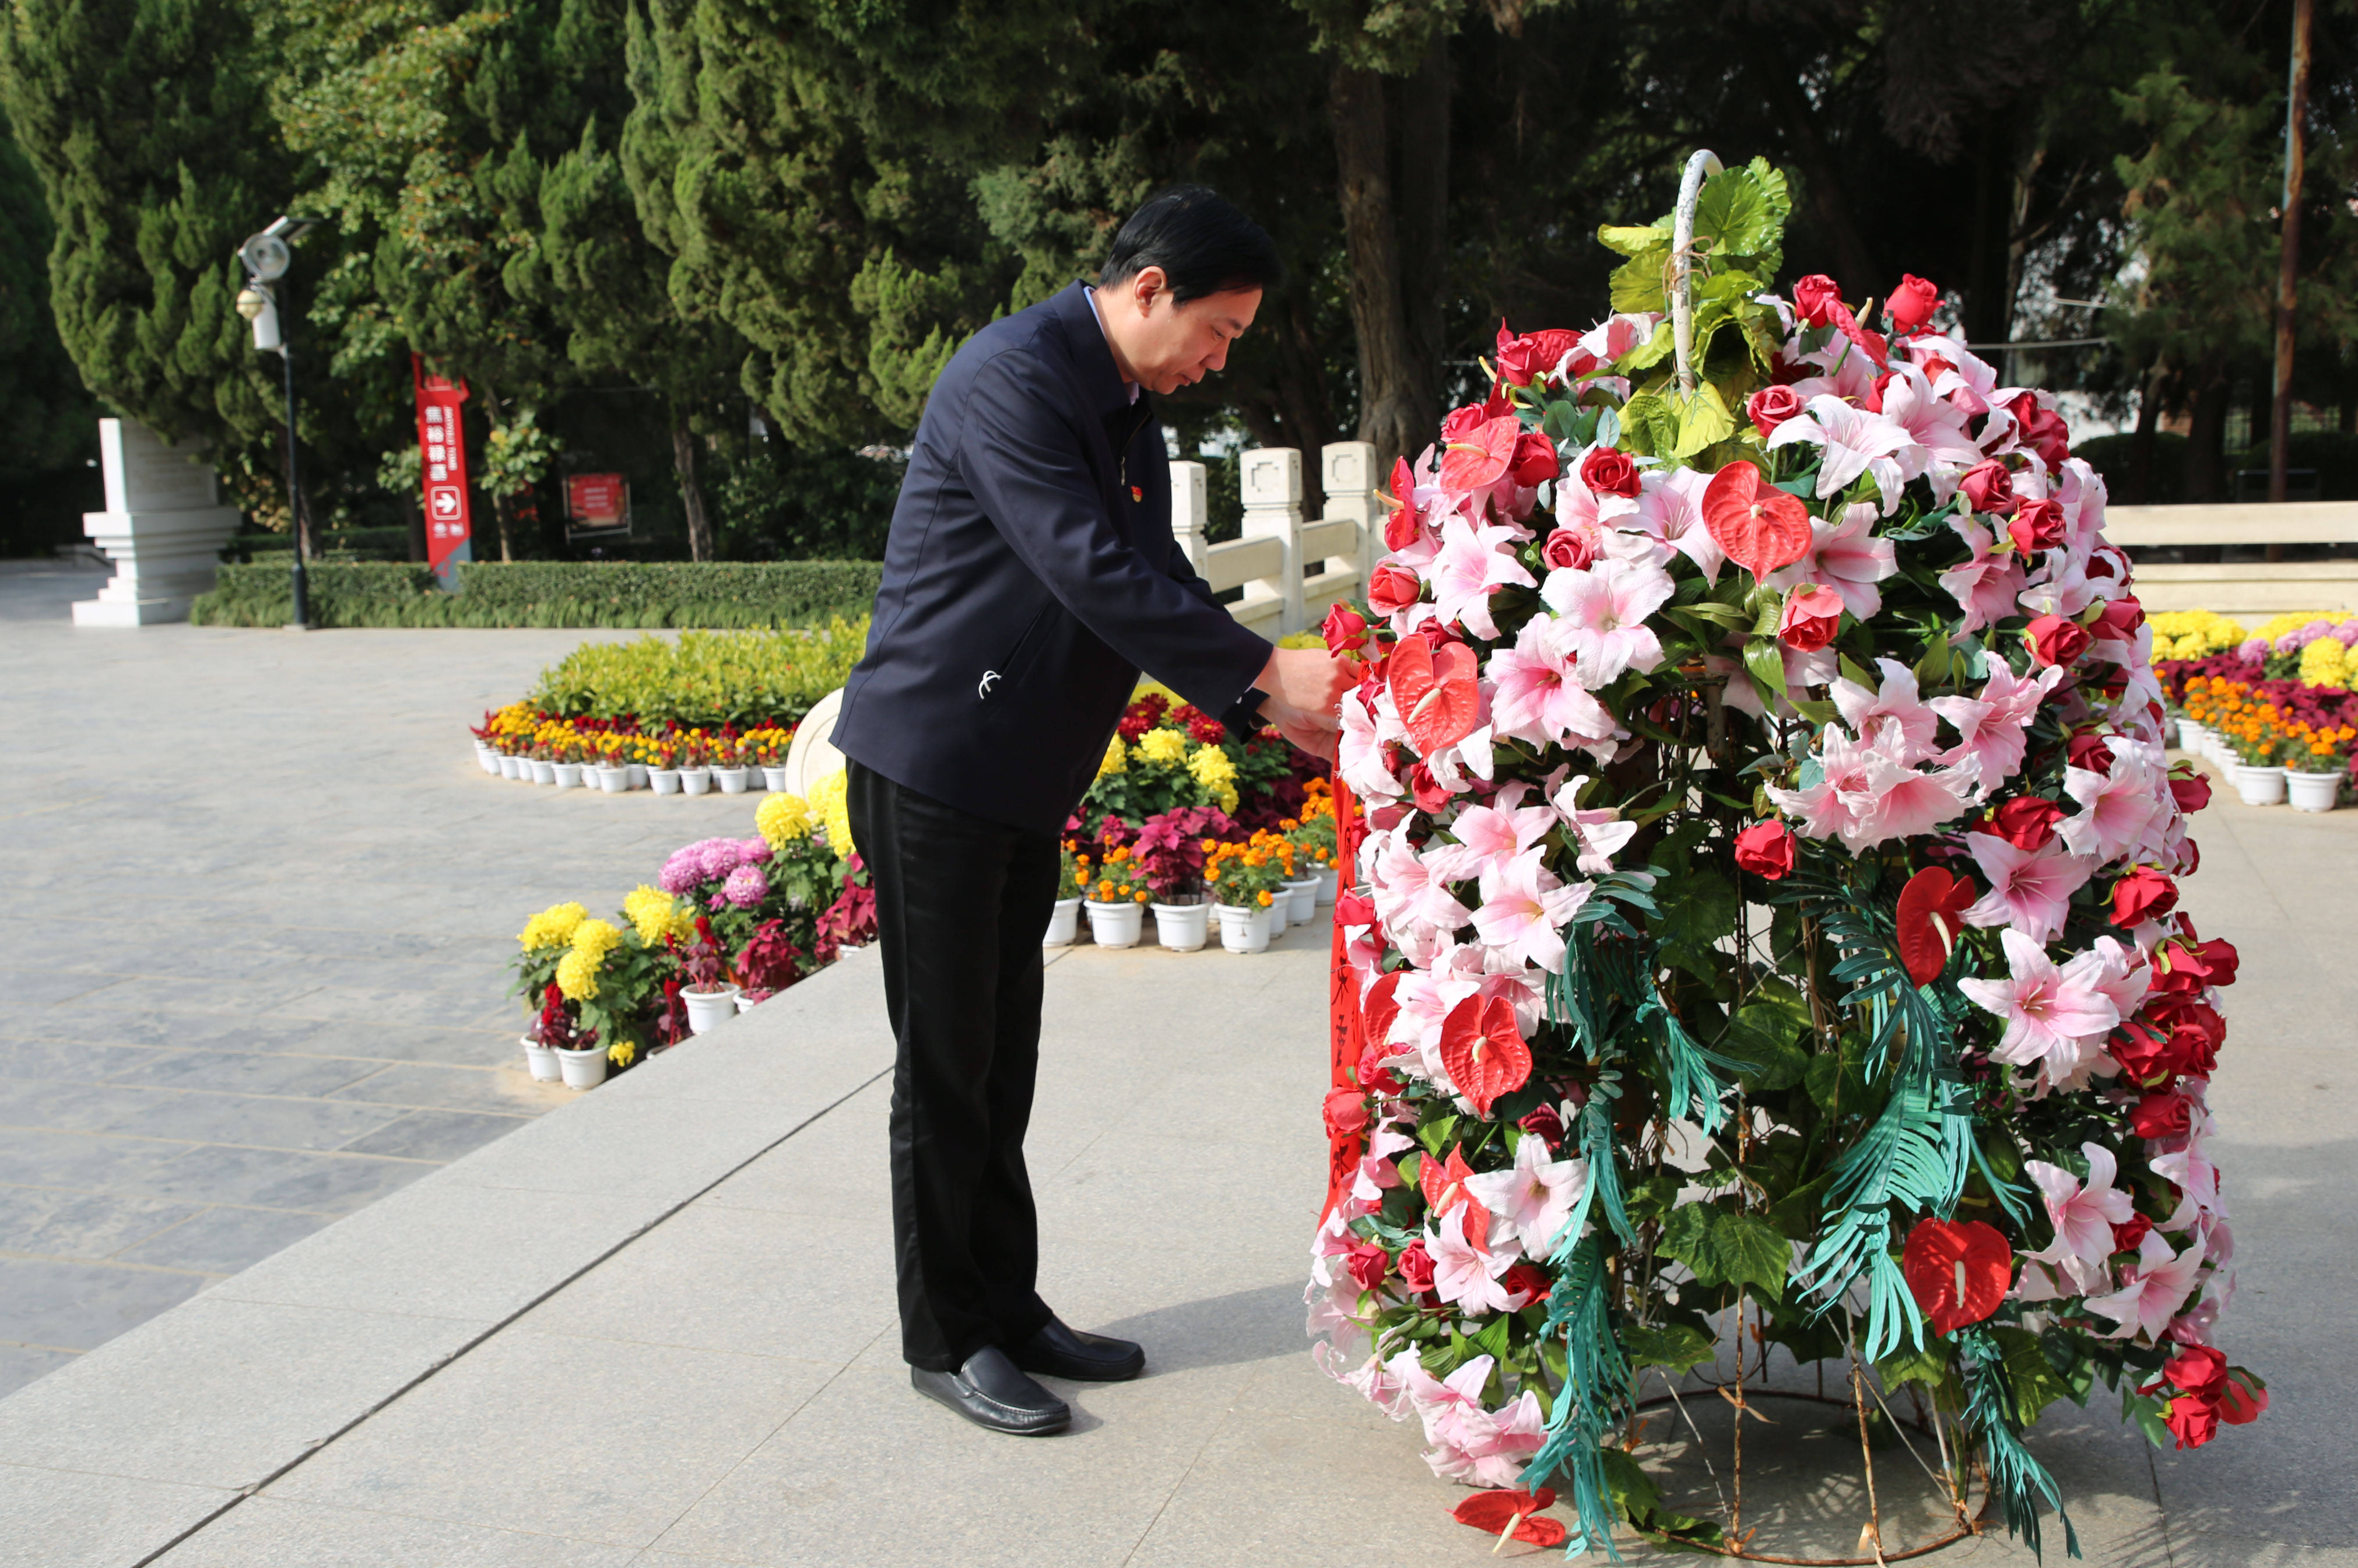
<point>1188,511</point>
<point>1346,471</point>
<point>1270,478</point>
<point>163,527</point>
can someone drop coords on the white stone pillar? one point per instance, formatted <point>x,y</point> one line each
<point>1271,481</point>
<point>1188,511</point>
<point>1346,471</point>
<point>163,527</point>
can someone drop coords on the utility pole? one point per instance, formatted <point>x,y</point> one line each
<point>2288,261</point>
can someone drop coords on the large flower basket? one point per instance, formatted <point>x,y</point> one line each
<point>1764,967</point>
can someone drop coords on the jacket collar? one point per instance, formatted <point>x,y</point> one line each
<point>1085,339</point>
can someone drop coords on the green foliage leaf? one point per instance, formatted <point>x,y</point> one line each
<point>1765,1037</point>
<point>1698,908</point>
<point>1928,1367</point>
<point>1649,423</point>
<point>1746,1249</point>
<point>1679,1347</point>
<point>1703,420</point>
<point>2031,1378</point>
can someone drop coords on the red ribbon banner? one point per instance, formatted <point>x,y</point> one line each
<point>442,451</point>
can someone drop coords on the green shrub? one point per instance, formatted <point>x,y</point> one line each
<point>733,594</point>
<point>2114,456</point>
<point>703,679</point>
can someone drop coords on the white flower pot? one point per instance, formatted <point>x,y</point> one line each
<point>773,780</point>
<point>1244,930</point>
<point>2260,786</point>
<point>665,780</point>
<point>569,774</point>
<point>2216,747</point>
<point>486,758</point>
<point>2190,734</point>
<point>513,767</point>
<point>695,780</point>
<point>613,781</point>
<point>543,772</point>
<point>747,1001</point>
<point>1116,925</point>
<point>1063,923</point>
<point>1328,880</point>
<point>2312,791</point>
<point>1301,901</point>
<point>541,1060</point>
<point>638,771</point>
<point>1182,927</point>
<point>731,779</point>
<point>708,1010</point>
<point>583,1070</point>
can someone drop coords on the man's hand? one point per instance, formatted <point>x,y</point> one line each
<point>1305,687</point>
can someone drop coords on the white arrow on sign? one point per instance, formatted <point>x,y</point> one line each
<point>446,503</point>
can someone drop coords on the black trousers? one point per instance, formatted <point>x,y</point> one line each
<point>960,905</point>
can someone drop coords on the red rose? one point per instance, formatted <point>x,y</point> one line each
<point>2143,894</point>
<point>1374,1076</point>
<point>1873,401</point>
<point>1344,629</point>
<point>2241,1400</point>
<point>1416,1268</point>
<point>2090,752</point>
<point>1987,487</point>
<point>2119,619</point>
<point>1816,299</point>
<point>1392,589</point>
<point>1534,459</point>
<point>2143,1051</point>
<point>2026,821</point>
<point>1353,908</point>
<point>1544,1124</point>
<point>2220,960</point>
<point>1911,304</point>
<point>2129,1232</point>
<point>1811,618</point>
<point>2167,1114</point>
<point>1526,1279</point>
<point>1346,1112</point>
<point>1609,472</point>
<point>1462,423</point>
<point>1534,356</point>
<point>1426,791</point>
<point>2038,525</point>
<point>2040,429</point>
<point>1765,849</point>
<point>2054,640</point>
<point>2197,1369</point>
<point>1772,406</point>
<point>2191,1031</point>
<point>2193,1421</point>
<point>1568,550</point>
<point>1369,1265</point>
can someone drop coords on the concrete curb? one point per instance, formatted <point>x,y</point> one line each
<point>145,1440</point>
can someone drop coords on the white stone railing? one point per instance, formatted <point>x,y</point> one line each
<point>2254,588</point>
<point>1291,571</point>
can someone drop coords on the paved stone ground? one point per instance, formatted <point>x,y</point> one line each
<point>258,900</point>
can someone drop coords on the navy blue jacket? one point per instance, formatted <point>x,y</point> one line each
<point>1030,575</point>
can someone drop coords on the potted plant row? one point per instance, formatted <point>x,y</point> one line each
<point>568,755</point>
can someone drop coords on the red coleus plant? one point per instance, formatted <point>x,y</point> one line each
<point>1169,848</point>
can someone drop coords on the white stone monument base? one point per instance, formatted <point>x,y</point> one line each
<point>163,527</point>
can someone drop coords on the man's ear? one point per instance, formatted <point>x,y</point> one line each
<point>1145,285</point>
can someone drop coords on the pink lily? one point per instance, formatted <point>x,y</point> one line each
<point>1539,696</point>
<point>1893,708</point>
<point>2156,1285</point>
<point>2054,1018</point>
<point>1525,907</point>
<point>1600,830</point>
<point>1993,725</point>
<point>1856,442</point>
<point>1671,506</point>
<point>1985,586</point>
<point>1845,557</point>
<point>1602,612</point>
<point>1531,1199</point>
<point>1473,561</point>
<point>2029,890</point>
<point>1464,1276</point>
<point>2083,1215</point>
<point>2117,809</point>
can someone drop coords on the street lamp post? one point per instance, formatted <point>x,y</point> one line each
<point>266,257</point>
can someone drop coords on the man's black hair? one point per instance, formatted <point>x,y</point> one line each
<point>1203,244</point>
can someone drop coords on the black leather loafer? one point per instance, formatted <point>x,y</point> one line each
<point>989,1392</point>
<point>1057,1351</point>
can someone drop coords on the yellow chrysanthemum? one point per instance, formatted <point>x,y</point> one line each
<point>593,939</point>
<point>1116,760</point>
<point>829,802</point>
<point>782,819</point>
<point>621,1053</point>
<point>653,912</point>
<point>552,928</point>
<point>577,976</point>
<point>1162,745</point>
<point>2325,663</point>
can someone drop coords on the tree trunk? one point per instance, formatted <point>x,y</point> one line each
<point>691,491</point>
<point>2141,445</point>
<point>1391,416</point>
<point>1421,214</point>
<point>503,511</point>
<point>1989,307</point>
<point>415,517</point>
<point>2018,251</point>
<point>2206,435</point>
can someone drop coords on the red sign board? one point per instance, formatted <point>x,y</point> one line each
<point>595,500</point>
<point>442,449</point>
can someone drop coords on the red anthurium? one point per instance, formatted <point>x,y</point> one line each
<point>1931,914</point>
<point>1514,1515</point>
<point>1379,1007</point>
<point>1484,1051</point>
<point>1476,459</point>
<point>1400,527</point>
<point>1958,1272</point>
<point>1759,527</point>
<point>1445,1187</point>
<point>1434,691</point>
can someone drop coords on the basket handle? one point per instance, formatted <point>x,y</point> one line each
<point>1702,163</point>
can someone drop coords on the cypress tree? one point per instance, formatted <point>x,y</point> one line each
<point>47,428</point>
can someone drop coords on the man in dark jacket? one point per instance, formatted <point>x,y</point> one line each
<point>1030,574</point>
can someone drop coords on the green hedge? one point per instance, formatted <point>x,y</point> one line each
<point>704,679</point>
<point>736,594</point>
